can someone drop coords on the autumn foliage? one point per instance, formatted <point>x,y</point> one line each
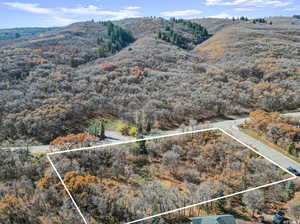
<point>8,203</point>
<point>108,66</point>
<point>77,183</point>
<point>275,128</point>
<point>44,182</point>
<point>136,71</point>
<point>73,140</point>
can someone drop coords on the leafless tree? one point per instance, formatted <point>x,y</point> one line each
<point>294,211</point>
<point>254,201</point>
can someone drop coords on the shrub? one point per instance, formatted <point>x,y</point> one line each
<point>108,66</point>
<point>192,176</point>
<point>73,141</point>
<point>97,129</point>
<point>123,129</point>
<point>170,158</point>
<point>132,131</point>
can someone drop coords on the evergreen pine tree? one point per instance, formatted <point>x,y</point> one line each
<point>73,62</point>
<point>159,34</point>
<point>100,52</point>
<point>290,190</point>
<point>142,145</point>
<point>110,46</point>
<point>148,126</point>
<point>140,128</point>
<point>98,41</point>
<point>102,130</point>
<point>291,148</point>
<point>110,28</point>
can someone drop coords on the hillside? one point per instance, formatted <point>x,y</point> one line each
<point>74,45</point>
<point>263,58</point>
<point>155,176</point>
<point>70,87</point>
<point>14,33</point>
<point>38,70</point>
<point>214,25</point>
<point>56,83</point>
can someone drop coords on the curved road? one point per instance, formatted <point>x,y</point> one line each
<point>231,126</point>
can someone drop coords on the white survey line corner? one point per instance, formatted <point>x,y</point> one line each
<point>163,136</point>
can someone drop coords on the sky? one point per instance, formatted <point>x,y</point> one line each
<point>47,13</point>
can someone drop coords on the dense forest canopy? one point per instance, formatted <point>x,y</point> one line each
<point>145,73</point>
<point>55,83</point>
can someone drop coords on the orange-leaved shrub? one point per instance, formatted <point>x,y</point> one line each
<point>73,141</point>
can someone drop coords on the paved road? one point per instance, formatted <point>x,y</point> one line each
<point>231,126</point>
<point>265,150</point>
<point>32,149</point>
<point>112,136</point>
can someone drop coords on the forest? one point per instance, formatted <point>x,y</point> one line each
<point>127,182</point>
<point>55,84</point>
<point>283,131</point>
<point>160,175</point>
<point>248,208</point>
<point>199,32</point>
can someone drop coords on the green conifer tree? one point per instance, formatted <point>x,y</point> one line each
<point>100,52</point>
<point>102,129</point>
<point>73,62</point>
<point>98,41</point>
<point>148,126</point>
<point>290,190</point>
<point>142,149</point>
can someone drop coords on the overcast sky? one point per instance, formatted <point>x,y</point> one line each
<point>28,13</point>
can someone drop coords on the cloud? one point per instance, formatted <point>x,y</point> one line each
<point>222,15</point>
<point>53,16</point>
<point>91,9</point>
<point>188,12</point>
<point>292,9</point>
<point>132,7</point>
<point>29,7</point>
<point>96,11</point>
<point>64,16</point>
<point>257,3</point>
<point>244,9</point>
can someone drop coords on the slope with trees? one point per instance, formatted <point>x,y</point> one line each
<point>280,130</point>
<point>136,180</point>
<point>257,206</point>
<point>244,66</point>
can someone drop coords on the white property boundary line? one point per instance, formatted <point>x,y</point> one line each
<point>163,136</point>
